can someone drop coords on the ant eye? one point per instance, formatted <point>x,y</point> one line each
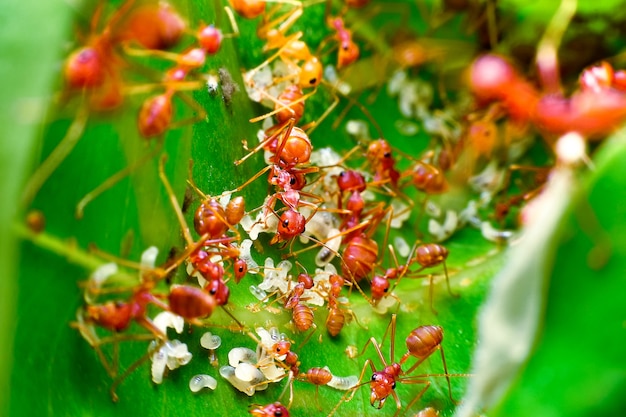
<point>278,413</point>
<point>285,223</point>
<point>312,81</point>
<point>387,155</point>
<point>213,291</point>
<point>386,289</point>
<point>374,377</point>
<point>393,386</point>
<point>292,181</point>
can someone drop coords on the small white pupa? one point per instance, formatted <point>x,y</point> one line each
<point>199,382</point>
<point>241,355</point>
<point>165,319</point>
<point>210,341</point>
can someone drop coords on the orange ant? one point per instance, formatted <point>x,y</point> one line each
<point>421,343</point>
<point>290,50</point>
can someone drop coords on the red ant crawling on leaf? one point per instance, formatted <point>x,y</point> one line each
<point>421,343</point>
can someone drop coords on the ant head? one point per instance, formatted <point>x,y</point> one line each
<point>219,290</point>
<point>210,39</point>
<point>305,280</point>
<point>348,53</point>
<point>248,8</point>
<point>380,287</point>
<point>282,348</point>
<point>311,73</point>
<point>381,387</point>
<point>241,269</point>
<point>351,180</point>
<point>291,224</point>
<point>84,69</point>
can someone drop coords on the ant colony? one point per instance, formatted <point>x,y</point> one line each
<point>358,146</point>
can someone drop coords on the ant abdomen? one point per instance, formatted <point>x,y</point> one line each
<point>423,340</point>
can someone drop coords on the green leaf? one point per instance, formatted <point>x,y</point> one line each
<point>23,92</point>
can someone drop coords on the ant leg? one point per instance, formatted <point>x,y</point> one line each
<point>173,85</point>
<point>418,395</point>
<point>547,59</point>
<point>58,155</point>
<point>356,103</point>
<point>284,22</point>
<point>324,115</point>
<point>263,143</point>
<point>174,201</point>
<point>282,105</point>
<point>445,271</point>
<point>131,369</point>
<point>112,180</point>
<point>250,74</point>
<point>150,53</point>
<point>193,104</point>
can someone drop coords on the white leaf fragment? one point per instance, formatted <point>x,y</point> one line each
<point>509,320</point>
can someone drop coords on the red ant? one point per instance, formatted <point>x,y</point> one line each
<point>348,51</point>
<point>154,26</point>
<point>593,111</point>
<point>427,255</point>
<point>95,66</point>
<point>336,318</point>
<point>421,343</point>
<point>271,410</point>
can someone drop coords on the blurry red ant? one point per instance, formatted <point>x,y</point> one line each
<point>271,410</point>
<point>95,66</point>
<point>421,343</point>
<point>154,26</point>
<point>156,112</point>
<point>95,70</point>
<point>348,51</point>
<point>593,111</point>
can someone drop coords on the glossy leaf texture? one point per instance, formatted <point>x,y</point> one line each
<point>56,372</point>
